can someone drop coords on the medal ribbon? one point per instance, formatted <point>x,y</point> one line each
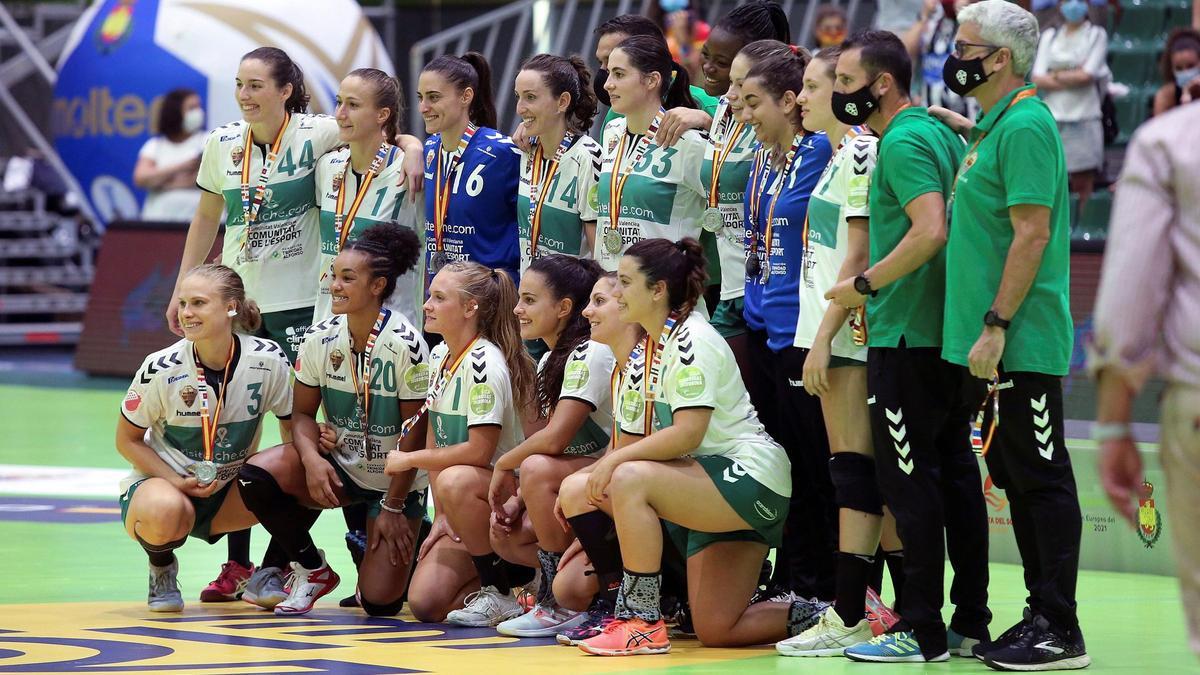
<point>444,377</point>
<point>653,362</point>
<point>537,197</point>
<point>441,200</point>
<point>621,173</point>
<point>780,180</point>
<point>362,393</point>
<point>250,210</point>
<point>756,185</point>
<point>1028,93</point>
<point>208,426</point>
<point>638,351</point>
<point>341,231</point>
<point>721,149</point>
<point>978,443</point>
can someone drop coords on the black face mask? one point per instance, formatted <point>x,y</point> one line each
<point>963,76</point>
<point>598,87</point>
<point>855,107</point>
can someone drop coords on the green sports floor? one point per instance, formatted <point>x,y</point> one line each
<point>73,588</point>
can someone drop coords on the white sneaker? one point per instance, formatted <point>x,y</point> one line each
<point>830,637</point>
<point>164,595</point>
<point>486,607</point>
<point>542,621</point>
<point>306,586</point>
<point>265,588</point>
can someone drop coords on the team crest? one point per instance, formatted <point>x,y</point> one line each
<point>337,181</point>
<point>429,159</point>
<point>236,155</point>
<point>132,401</point>
<point>335,359</point>
<point>1149,519</point>
<point>188,394</point>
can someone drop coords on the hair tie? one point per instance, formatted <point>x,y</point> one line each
<point>495,276</point>
<point>795,50</point>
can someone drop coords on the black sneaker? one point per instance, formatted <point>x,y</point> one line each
<point>1041,648</point>
<point>599,614</point>
<point>1007,638</point>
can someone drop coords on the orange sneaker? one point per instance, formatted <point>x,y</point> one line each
<point>629,637</point>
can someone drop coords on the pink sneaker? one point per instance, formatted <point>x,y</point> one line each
<point>879,615</point>
<point>228,585</point>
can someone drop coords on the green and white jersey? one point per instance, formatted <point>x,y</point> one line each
<point>841,193</point>
<point>663,197</point>
<point>629,406</point>
<point>285,236</point>
<point>570,201</point>
<point>164,399</point>
<point>588,378</point>
<point>731,184</point>
<point>478,394</point>
<point>387,202</point>
<point>400,371</point>
<point>699,371</point>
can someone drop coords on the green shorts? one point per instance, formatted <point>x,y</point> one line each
<point>757,504</point>
<point>287,328</point>
<point>414,503</point>
<point>728,318</point>
<point>206,509</point>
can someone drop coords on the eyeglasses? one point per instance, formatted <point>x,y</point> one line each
<point>960,47</point>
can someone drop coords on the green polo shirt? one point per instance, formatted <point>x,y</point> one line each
<point>707,103</point>
<point>1019,160</point>
<point>917,155</point>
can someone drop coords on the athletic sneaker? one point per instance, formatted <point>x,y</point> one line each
<point>898,647</point>
<point>1008,637</point>
<point>265,588</point>
<point>830,637</point>
<point>598,615</point>
<point>879,615</point>
<point>164,595</point>
<point>486,607</point>
<point>961,645</point>
<point>229,584</point>
<point>306,586</point>
<point>773,593</point>
<point>542,621</point>
<point>1041,648</point>
<point>629,637</point>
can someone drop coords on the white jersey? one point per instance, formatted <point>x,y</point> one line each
<point>164,399</point>
<point>698,371</point>
<point>731,193</point>
<point>587,377</point>
<point>285,237</point>
<point>841,193</point>
<point>387,202</point>
<point>663,197</point>
<point>399,372</point>
<point>478,394</point>
<point>570,201</point>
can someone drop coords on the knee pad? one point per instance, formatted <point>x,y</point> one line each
<point>258,487</point>
<point>386,609</point>
<point>854,484</point>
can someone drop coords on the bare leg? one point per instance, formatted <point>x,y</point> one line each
<point>721,579</point>
<point>159,513</point>
<point>442,581</point>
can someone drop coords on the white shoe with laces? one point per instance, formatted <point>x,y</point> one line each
<point>486,607</point>
<point>542,621</point>
<point>306,586</point>
<point>830,637</point>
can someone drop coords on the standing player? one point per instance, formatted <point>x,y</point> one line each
<point>574,397</point>
<point>646,190</point>
<point>192,415</point>
<point>361,184</point>
<point>708,468</point>
<point>369,367</point>
<point>482,386</point>
<point>472,171</point>
<point>835,248</point>
<point>556,207</point>
<point>806,562</point>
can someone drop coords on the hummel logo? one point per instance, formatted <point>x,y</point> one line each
<point>1049,647</point>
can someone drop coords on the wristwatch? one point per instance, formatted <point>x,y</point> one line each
<point>993,319</point>
<point>863,286</point>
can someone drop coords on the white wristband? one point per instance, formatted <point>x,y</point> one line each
<point>1103,432</point>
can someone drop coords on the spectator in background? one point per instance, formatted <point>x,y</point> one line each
<point>1180,69</point>
<point>830,27</point>
<point>167,163</point>
<point>685,31</point>
<point>1147,310</point>
<point>929,41</point>
<point>1069,71</point>
<point>1099,12</point>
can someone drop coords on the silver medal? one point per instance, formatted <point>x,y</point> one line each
<point>205,472</point>
<point>612,241</point>
<point>713,221</point>
<point>753,266</point>
<point>437,261</point>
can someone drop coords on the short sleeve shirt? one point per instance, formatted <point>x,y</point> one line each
<point>285,237</point>
<point>587,378</point>
<point>164,399</point>
<point>570,201</point>
<point>737,143</point>
<point>917,155</point>
<point>386,202</point>
<point>478,393</point>
<point>1018,161</point>
<point>399,371</point>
